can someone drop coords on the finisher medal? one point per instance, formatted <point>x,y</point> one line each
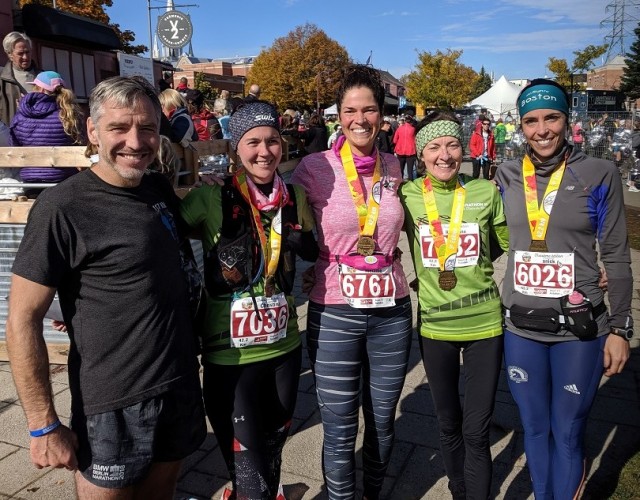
<point>366,246</point>
<point>447,280</point>
<point>538,246</point>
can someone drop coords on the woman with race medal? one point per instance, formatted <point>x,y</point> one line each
<point>559,339</point>
<point>252,227</point>
<point>451,221</point>
<point>359,317</point>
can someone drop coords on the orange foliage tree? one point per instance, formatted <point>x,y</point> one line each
<point>300,69</point>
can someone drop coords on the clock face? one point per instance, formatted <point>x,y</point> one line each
<point>174,29</point>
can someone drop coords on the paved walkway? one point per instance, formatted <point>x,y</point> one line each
<point>416,470</point>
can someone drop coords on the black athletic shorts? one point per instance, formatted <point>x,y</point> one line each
<point>117,448</point>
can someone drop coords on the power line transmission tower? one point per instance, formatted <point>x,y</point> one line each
<point>624,16</point>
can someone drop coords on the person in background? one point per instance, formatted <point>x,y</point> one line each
<point>205,122</point>
<point>565,212</point>
<point>482,148</point>
<point>452,221</point>
<point>254,93</point>
<point>404,146</point>
<point>500,135</point>
<point>337,130</point>
<point>221,108</point>
<point>252,228</point>
<point>577,133</point>
<point>359,320</point>
<point>510,127</point>
<point>174,107</point>
<point>108,241</point>
<point>19,70</point>
<point>315,136</point>
<point>384,140</point>
<point>183,86</point>
<point>165,82</point>
<point>48,116</point>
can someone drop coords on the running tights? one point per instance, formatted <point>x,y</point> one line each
<point>358,354</point>
<point>464,430</point>
<point>554,385</point>
<point>250,409</point>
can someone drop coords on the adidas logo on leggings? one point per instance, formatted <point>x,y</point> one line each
<point>572,388</point>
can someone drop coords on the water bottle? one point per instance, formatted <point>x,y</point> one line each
<point>578,313</point>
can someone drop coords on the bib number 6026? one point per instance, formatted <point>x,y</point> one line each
<point>544,275</point>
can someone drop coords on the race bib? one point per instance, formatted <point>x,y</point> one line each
<point>265,326</point>
<point>543,274</point>
<point>367,289</point>
<point>468,245</point>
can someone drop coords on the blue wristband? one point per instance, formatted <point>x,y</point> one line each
<point>45,430</point>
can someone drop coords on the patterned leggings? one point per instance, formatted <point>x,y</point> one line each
<point>358,354</point>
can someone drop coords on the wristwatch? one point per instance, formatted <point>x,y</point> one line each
<point>625,333</point>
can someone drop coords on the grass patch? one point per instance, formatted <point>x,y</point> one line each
<point>633,228</point>
<point>629,481</point>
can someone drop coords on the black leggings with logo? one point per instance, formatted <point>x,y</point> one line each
<point>250,409</point>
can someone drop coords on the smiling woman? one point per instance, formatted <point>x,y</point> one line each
<point>253,227</point>
<point>562,203</point>
<point>451,221</point>
<point>358,336</point>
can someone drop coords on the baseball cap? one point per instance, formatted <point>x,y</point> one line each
<point>48,80</point>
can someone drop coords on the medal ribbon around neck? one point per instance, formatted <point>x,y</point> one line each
<point>270,253</point>
<point>538,217</point>
<point>367,212</point>
<point>444,249</point>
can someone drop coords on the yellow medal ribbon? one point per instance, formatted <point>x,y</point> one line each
<point>538,217</point>
<point>367,212</point>
<point>270,253</point>
<point>448,249</point>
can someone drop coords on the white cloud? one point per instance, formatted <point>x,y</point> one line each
<point>546,42</point>
<point>453,27</point>
<point>576,11</point>
<point>389,13</point>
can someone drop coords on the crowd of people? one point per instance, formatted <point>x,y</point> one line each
<point>142,320</point>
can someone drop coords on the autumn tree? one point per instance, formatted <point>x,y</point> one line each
<point>482,84</point>
<point>441,80</point>
<point>93,9</point>
<point>630,81</point>
<point>299,69</point>
<point>560,70</point>
<point>582,62</point>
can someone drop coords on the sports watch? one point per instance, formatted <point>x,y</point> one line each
<point>625,333</point>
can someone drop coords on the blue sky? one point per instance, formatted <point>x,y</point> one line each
<point>510,37</point>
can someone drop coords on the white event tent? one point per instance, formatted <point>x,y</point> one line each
<point>499,99</point>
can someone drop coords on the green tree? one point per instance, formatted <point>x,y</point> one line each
<point>200,83</point>
<point>561,71</point>
<point>441,80</point>
<point>300,68</point>
<point>94,9</point>
<point>582,62</point>
<point>483,83</point>
<point>630,81</point>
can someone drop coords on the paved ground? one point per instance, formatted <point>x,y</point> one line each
<point>416,468</point>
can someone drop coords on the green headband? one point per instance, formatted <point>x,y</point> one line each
<point>433,130</point>
<point>542,97</point>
